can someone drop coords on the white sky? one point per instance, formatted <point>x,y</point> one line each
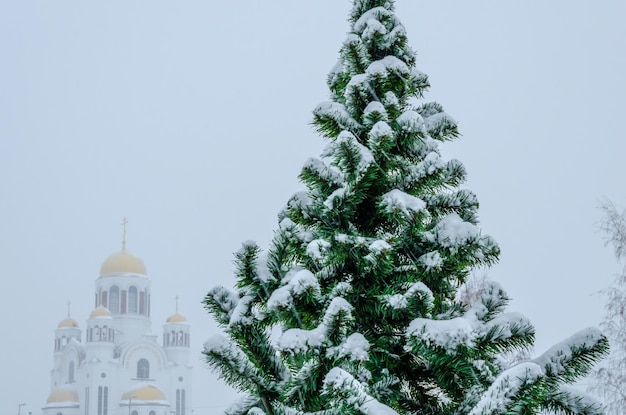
<point>192,119</point>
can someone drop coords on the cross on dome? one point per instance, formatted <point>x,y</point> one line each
<point>124,223</point>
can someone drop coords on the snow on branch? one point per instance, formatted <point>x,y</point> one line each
<point>411,122</point>
<point>447,334</point>
<point>295,283</point>
<point>355,347</point>
<point>222,302</point>
<point>316,249</point>
<point>573,356</point>
<point>241,312</point>
<point>243,405</point>
<point>375,110</point>
<point>441,126</point>
<point>418,289</point>
<point>569,400</point>
<point>346,147</point>
<point>232,363</point>
<point>327,173</point>
<point>453,232</point>
<point>430,165</point>
<point>353,393</point>
<point>337,114</point>
<point>300,340</point>
<point>381,134</point>
<point>386,66</point>
<point>431,260</point>
<point>399,202</point>
<point>376,13</point>
<point>506,388</point>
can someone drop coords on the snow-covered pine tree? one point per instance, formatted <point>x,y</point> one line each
<point>360,281</point>
<point>610,376</point>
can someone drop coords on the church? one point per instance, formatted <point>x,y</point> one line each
<point>115,365</point>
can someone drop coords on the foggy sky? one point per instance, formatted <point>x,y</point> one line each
<point>192,120</point>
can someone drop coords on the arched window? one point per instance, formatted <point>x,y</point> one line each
<point>152,413</point>
<point>132,300</point>
<point>143,369</point>
<point>134,413</point>
<point>114,300</point>
<point>103,400</point>
<point>103,334</point>
<point>70,375</point>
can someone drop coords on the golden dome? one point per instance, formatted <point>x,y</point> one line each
<point>100,312</point>
<point>122,262</point>
<point>63,394</point>
<point>176,318</point>
<point>145,393</point>
<point>68,323</point>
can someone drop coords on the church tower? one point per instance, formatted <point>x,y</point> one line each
<point>121,368</point>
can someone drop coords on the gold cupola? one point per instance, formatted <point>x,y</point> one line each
<point>68,322</point>
<point>147,392</point>
<point>65,393</point>
<point>176,317</point>
<point>123,261</point>
<point>100,312</point>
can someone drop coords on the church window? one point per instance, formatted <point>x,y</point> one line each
<point>70,377</point>
<point>105,407</point>
<point>123,302</point>
<point>87,401</point>
<point>104,299</point>
<point>99,400</point>
<point>132,300</point>
<point>152,413</point>
<point>114,300</point>
<point>134,413</point>
<point>143,369</point>
<point>142,303</point>
<point>180,402</point>
<point>103,334</point>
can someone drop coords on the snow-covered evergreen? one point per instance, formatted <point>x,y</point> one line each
<point>609,378</point>
<point>354,309</point>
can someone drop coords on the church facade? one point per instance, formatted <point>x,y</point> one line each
<point>116,366</point>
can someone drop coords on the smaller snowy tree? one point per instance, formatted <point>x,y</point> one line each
<point>610,376</point>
